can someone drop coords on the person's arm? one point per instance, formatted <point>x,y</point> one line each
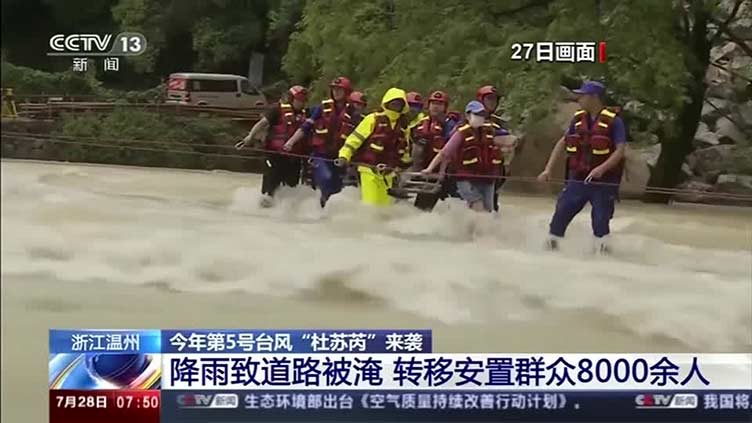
<point>357,137</point>
<point>304,130</point>
<point>446,153</point>
<point>555,153</point>
<point>260,128</point>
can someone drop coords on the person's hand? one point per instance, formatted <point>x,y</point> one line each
<point>596,173</point>
<point>240,144</point>
<point>288,145</point>
<point>544,176</point>
<point>427,171</point>
<point>340,162</point>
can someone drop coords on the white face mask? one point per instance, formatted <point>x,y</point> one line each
<point>476,121</point>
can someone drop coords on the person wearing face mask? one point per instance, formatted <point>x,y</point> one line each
<point>475,152</point>
<point>428,138</point>
<point>274,129</point>
<point>322,129</point>
<point>595,145</point>
<point>376,144</point>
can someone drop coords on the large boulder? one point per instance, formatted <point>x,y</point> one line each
<point>712,159</point>
<point>728,132</point>
<point>713,108</point>
<point>636,173</point>
<point>704,137</point>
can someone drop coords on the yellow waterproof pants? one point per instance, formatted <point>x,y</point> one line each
<point>373,187</point>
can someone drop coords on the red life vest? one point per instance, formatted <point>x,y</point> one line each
<point>383,145</point>
<point>348,122</point>
<point>432,131</point>
<point>478,155</point>
<point>327,128</point>
<point>289,122</point>
<point>590,147</point>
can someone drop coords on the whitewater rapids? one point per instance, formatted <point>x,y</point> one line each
<point>108,246</point>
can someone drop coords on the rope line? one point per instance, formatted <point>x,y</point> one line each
<point>558,181</point>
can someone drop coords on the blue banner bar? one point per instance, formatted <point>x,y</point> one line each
<point>381,406</point>
<point>224,341</point>
<point>105,341</point>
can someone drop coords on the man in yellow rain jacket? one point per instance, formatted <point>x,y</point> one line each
<point>378,146</point>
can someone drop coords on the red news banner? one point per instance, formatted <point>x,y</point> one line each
<point>104,406</point>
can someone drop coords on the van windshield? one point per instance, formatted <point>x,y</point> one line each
<point>213,85</point>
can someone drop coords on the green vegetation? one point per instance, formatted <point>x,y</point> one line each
<point>658,51</point>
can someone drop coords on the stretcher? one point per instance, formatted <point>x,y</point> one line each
<point>415,183</point>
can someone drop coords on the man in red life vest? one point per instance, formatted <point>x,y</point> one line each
<point>595,144</point>
<point>429,135</point>
<point>475,151</point>
<point>489,96</point>
<point>325,129</point>
<point>274,129</point>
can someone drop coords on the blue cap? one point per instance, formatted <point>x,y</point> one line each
<point>475,106</point>
<point>591,88</point>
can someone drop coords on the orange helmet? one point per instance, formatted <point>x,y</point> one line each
<point>358,98</point>
<point>486,90</point>
<point>439,97</point>
<point>342,82</point>
<point>298,93</point>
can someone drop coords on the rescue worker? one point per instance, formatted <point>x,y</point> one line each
<point>415,114</point>
<point>376,143</point>
<point>274,129</point>
<point>429,136</point>
<point>325,128</point>
<point>595,145</point>
<point>475,152</point>
<point>489,96</point>
<point>356,108</point>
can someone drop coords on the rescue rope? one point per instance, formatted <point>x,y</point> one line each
<point>62,139</point>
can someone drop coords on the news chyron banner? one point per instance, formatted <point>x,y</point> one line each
<point>232,376</point>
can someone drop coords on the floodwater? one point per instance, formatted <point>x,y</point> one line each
<point>108,246</point>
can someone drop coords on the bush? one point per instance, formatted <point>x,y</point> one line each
<point>124,124</point>
<point>31,81</point>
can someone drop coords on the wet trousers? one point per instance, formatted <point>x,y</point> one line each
<point>327,178</point>
<point>573,198</point>
<point>280,170</point>
<point>374,187</point>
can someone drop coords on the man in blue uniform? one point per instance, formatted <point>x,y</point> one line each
<point>595,143</point>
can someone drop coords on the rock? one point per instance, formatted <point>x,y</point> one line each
<point>723,91</point>
<point>744,115</point>
<point>636,173</point>
<point>687,170</point>
<point>742,28</point>
<point>725,50</point>
<point>704,136</point>
<point>736,184</point>
<point>729,133</point>
<point>713,108</point>
<point>712,159</point>
<point>650,154</point>
<point>740,62</point>
<point>694,190</point>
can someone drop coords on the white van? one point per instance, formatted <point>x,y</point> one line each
<point>213,89</point>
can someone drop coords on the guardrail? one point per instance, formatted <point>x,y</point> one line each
<point>52,110</point>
